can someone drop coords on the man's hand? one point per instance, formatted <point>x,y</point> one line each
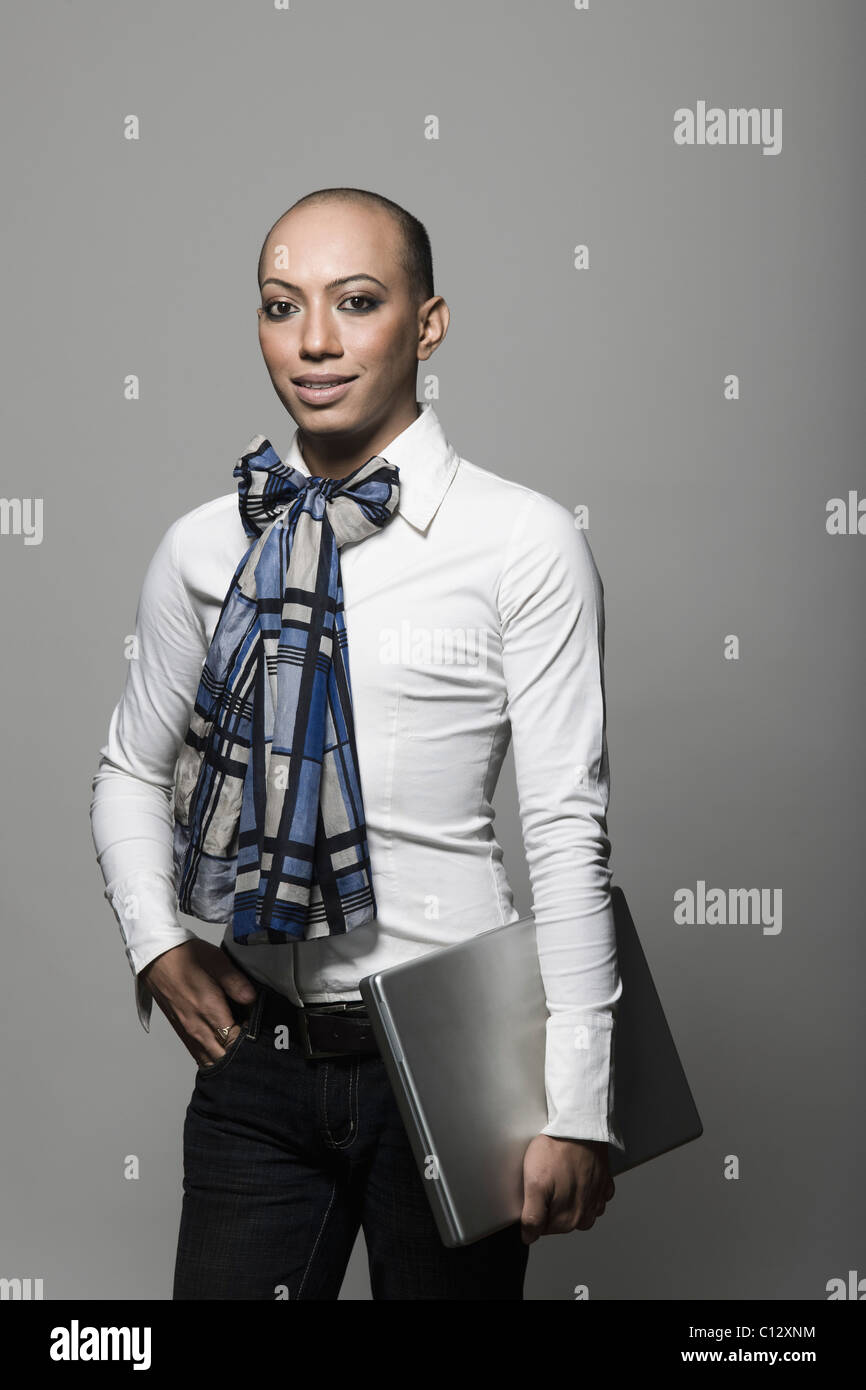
<point>566,1184</point>
<point>190,984</point>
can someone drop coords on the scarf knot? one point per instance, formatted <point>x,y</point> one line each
<point>269,828</point>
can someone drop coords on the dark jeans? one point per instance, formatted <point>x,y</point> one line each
<point>285,1157</point>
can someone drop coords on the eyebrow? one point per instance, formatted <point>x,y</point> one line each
<point>331,285</point>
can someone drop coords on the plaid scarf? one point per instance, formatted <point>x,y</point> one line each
<point>269,828</point>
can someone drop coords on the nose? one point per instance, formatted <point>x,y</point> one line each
<point>319,332</point>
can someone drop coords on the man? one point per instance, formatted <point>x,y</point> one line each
<point>473,614</point>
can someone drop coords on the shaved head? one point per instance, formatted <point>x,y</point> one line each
<point>416,256</point>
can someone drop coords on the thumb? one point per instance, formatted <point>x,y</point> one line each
<point>533,1218</point>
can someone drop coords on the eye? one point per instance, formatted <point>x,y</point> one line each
<point>273,304</point>
<point>370,301</point>
<point>366,304</point>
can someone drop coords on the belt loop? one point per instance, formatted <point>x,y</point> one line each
<point>255,1018</point>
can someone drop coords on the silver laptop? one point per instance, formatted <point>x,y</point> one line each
<point>462,1035</point>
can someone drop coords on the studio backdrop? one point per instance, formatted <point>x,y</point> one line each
<point>646,220</point>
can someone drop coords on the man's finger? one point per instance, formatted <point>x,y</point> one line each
<point>216,1047</point>
<point>587,1220</point>
<point>199,1034</point>
<point>233,982</point>
<point>533,1218</point>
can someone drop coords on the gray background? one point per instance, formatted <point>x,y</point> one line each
<point>603,387</point>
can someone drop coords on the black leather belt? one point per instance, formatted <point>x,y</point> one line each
<point>321,1030</point>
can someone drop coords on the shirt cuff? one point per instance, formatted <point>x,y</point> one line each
<point>143,1002</point>
<point>579,1077</point>
<point>143,903</point>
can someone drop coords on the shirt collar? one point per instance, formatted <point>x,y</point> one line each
<point>426,460</point>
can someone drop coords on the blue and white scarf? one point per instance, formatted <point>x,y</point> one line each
<point>269,829</point>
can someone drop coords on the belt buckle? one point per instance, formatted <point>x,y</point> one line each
<point>310,1051</point>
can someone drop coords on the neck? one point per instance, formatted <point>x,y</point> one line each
<point>336,456</point>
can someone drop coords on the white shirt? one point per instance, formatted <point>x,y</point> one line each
<point>474,616</point>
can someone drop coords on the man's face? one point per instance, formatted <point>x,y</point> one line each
<point>366,329</point>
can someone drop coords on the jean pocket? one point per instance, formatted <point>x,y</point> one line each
<point>245,1016</point>
<point>211,1068</point>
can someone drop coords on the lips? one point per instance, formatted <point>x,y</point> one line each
<point>314,380</point>
<point>327,388</point>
